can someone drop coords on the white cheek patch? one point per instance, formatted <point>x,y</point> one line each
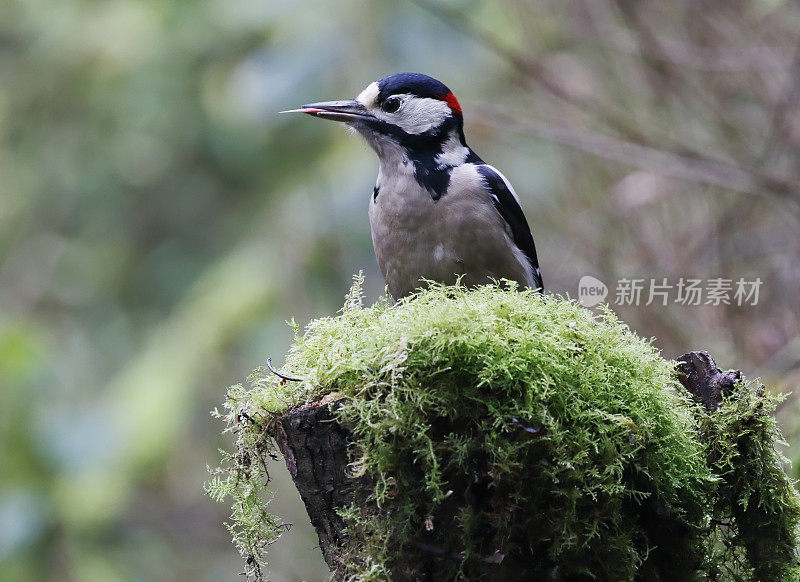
<point>416,115</point>
<point>453,153</point>
<point>369,95</point>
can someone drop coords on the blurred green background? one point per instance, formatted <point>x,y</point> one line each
<point>159,221</point>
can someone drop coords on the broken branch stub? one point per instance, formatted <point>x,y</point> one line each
<point>698,373</point>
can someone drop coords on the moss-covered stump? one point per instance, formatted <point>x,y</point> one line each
<point>497,434</point>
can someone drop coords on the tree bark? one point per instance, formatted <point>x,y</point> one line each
<point>315,448</point>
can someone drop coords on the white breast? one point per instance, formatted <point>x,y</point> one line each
<point>461,234</point>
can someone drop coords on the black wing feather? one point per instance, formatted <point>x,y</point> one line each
<point>506,204</point>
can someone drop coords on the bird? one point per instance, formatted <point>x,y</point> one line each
<point>438,212</point>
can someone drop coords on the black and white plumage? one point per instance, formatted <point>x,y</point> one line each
<point>438,212</point>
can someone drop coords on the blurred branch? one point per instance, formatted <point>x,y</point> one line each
<point>685,167</point>
<point>699,58</point>
<point>663,155</point>
<point>776,136</point>
<point>669,78</point>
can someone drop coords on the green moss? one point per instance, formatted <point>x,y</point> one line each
<point>242,479</point>
<point>754,502</point>
<point>517,425</point>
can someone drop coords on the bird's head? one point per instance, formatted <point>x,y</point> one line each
<point>410,114</point>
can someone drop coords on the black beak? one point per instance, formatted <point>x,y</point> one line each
<point>346,111</point>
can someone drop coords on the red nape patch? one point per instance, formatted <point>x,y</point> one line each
<point>452,102</point>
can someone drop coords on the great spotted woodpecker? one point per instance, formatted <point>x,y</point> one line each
<point>438,211</point>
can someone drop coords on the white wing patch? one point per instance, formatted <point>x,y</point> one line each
<point>507,183</point>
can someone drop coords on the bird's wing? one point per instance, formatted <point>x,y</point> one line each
<point>506,202</point>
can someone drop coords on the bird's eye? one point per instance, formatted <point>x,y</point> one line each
<point>391,105</point>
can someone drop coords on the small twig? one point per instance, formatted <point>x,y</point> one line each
<point>279,375</point>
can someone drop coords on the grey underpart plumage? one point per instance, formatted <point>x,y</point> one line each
<point>460,235</point>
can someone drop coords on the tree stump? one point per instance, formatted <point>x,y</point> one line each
<point>315,448</point>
